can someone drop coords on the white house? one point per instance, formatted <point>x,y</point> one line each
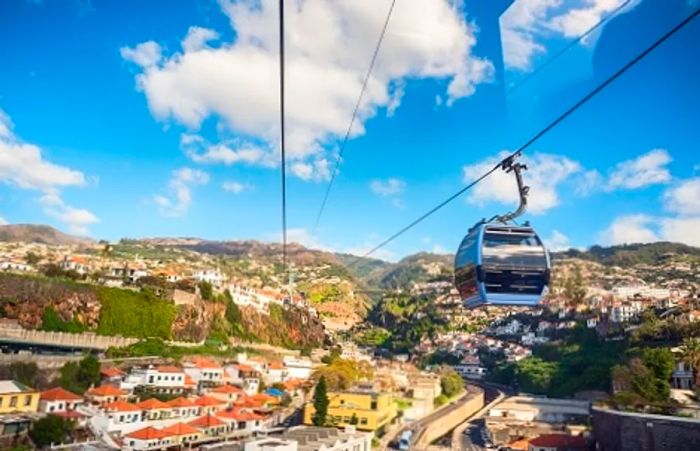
<point>77,263</point>
<point>162,379</point>
<point>213,276</point>
<point>298,368</point>
<point>204,372</point>
<point>15,265</point>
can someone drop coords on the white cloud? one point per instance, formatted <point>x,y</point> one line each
<point>3,221</point>
<point>684,198</point>
<point>526,24</point>
<point>180,186</point>
<point>637,228</point>
<point>648,169</point>
<point>197,38</point>
<point>317,170</point>
<point>201,151</point>
<point>557,242</point>
<point>439,249</point>
<point>236,187</point>
<point>237,82</point>
<point>519,26</point>
<point>147,54</point>
<point>589,182</point>
<point>682,230</point>
<point>389,187</point>
<point>546,172</point>
<point>23,166</point>
<point>577,21</point>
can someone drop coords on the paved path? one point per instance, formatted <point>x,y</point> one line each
<point>468,435</point>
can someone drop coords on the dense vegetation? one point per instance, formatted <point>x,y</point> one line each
<point>342,374</point>
<point>410,270</point>
<point>403,321</point>
<point>51,429</point>
<point>50,321</point>
<point>581,362</point>
<point>134,314</point>
<point>77,377</point>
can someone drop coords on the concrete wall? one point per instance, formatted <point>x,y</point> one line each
<point>449,421</point>
<point>625,431</point>
<point>83,341</point>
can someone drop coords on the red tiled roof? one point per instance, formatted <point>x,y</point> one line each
<point>276,366</point>
<point>111,372</point>
<point>189,380</point>
<point>180,402</point>
<point>240,415</point>
<point>60,394</point>
<point>246,368</point>
<point>149,433</point>
<point>264,398</point>
<point>226,389</point>
<point>152,404</point>
<point>122,406</point>
<point>207,421</point>
<point>201,362</point>
<point>180,429</point>
<point>559,441</point>
<point>205,401</point>
<point>106,390</point>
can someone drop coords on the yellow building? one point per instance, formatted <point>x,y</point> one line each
<point>370,410</point>
<point>17,398</point>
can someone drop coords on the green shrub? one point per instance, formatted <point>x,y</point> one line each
<point>134,314</point>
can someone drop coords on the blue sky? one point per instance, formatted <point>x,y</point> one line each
<point>136,119</point>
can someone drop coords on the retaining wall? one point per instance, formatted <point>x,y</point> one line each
<point>626,431</point>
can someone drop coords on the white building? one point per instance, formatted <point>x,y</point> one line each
<point>162,379</point>
<point>470,371</point>
<point>624,312</point>
<point>77,263</point>
<point>298,368</point>
<point>15,265</point>
<point>204,372</point>
<point>314,439</point>
<point>213,276</point>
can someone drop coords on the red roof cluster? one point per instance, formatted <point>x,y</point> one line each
<point>559,441</point>
<point>60,394</point>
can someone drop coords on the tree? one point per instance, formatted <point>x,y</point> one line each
<point>78,377</point>
<point>50,429</point>
<point>661,363</point>
<point>320,403</point>
<point>206,291</point>
<point>31,258</point>
<point>690,350</point>
<point>354,420</point>
<point>233,313</point>
<point>451,382</point>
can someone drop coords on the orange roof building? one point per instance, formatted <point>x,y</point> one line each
<point>149,433</point>
<point>153,404</point>
<point>181,429</point>
<point>111,372</point>
<point>207,422</point>
<point>559,442</point>
<point>59,394</point>
<point>181,402</point>
<point>105,390</point>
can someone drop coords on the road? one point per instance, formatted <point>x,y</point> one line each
<point>468,435</point>
<point>418,426</point>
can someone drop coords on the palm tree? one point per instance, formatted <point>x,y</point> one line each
<point>690,350</point>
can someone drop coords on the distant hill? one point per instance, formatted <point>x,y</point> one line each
<point>39,234</point>
<point>632,254</point>
<point>416,268</point>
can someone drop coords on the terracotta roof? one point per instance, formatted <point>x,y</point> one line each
<point>559,441</point>
<point>106,390</point>
<point>60,394</point>
<point>264,398</point>
<point>189,380</point>
<point>169,369</point>
<point>149,433</point>
<point>111,372</point>
<point>201,362</point>
<point>226,389</point>
<point>152,404</point>
<point>276,366</point>
<point>240,415</point>
<point>207,421</point>
<point>122,406</point>
<point>246,368</point>
<point>205,401</point>
<point>180,429</point>
<point>180,402</point>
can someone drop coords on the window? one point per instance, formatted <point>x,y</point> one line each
<point>13,401</point>
<point>363,420</point>
<point>27,400</point>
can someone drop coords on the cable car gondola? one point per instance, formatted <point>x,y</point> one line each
<point>500,263</point>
